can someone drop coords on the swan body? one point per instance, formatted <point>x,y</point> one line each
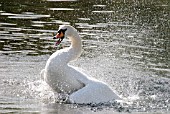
<point>66,79</point>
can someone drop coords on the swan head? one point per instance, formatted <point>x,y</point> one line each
<point>64,31</point>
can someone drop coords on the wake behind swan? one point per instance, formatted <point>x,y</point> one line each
<point>67,79</point>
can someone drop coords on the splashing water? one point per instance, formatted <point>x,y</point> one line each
<point>127,43</point>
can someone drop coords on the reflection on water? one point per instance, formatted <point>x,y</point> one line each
<point>136,32</point>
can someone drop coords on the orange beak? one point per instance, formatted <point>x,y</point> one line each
<point>60,35</point>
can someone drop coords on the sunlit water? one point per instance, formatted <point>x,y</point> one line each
<point>125,43</point>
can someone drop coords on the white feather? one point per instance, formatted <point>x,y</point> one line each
<point>64,78</point>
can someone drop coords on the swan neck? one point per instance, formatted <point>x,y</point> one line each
<point>76,47</point>
<point>76,42</point>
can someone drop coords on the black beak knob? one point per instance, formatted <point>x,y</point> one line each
<point>54,37</point>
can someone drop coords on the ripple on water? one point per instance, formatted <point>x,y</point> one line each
<point>28,15</point>
<point>7,24</point>
<point>61,22</point>
<point>59,0</point>
<point>37,25</point>
<point>84,19</point>
<point>8,14</point>
<point>61,9</point>
<point>133,39</point>
<point>102,11</point>
<point>11,29</point>
<point>42,23</point>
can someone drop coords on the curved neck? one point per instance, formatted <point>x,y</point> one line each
<point>76,46</point>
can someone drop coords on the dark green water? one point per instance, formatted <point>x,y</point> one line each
<point>126,43</point>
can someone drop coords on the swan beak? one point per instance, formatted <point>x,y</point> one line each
<point>54,37</point>
<point>59,35</point>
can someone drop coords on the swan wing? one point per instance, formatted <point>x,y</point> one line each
<point>96,92</point>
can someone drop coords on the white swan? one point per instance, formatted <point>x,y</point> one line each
<point>66,79</point>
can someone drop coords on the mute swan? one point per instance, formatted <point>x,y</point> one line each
<point>66,79</point>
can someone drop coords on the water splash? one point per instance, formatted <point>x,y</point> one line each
<point>41,91</point>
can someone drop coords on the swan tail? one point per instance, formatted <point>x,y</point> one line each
<point>93,93</point>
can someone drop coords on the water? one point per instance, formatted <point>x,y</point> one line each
<point>127,42</point>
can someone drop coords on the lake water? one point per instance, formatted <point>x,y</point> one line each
<point>126,43</point>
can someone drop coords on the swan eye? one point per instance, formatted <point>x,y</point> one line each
<point>60,34</point>
<point>62,31</point>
